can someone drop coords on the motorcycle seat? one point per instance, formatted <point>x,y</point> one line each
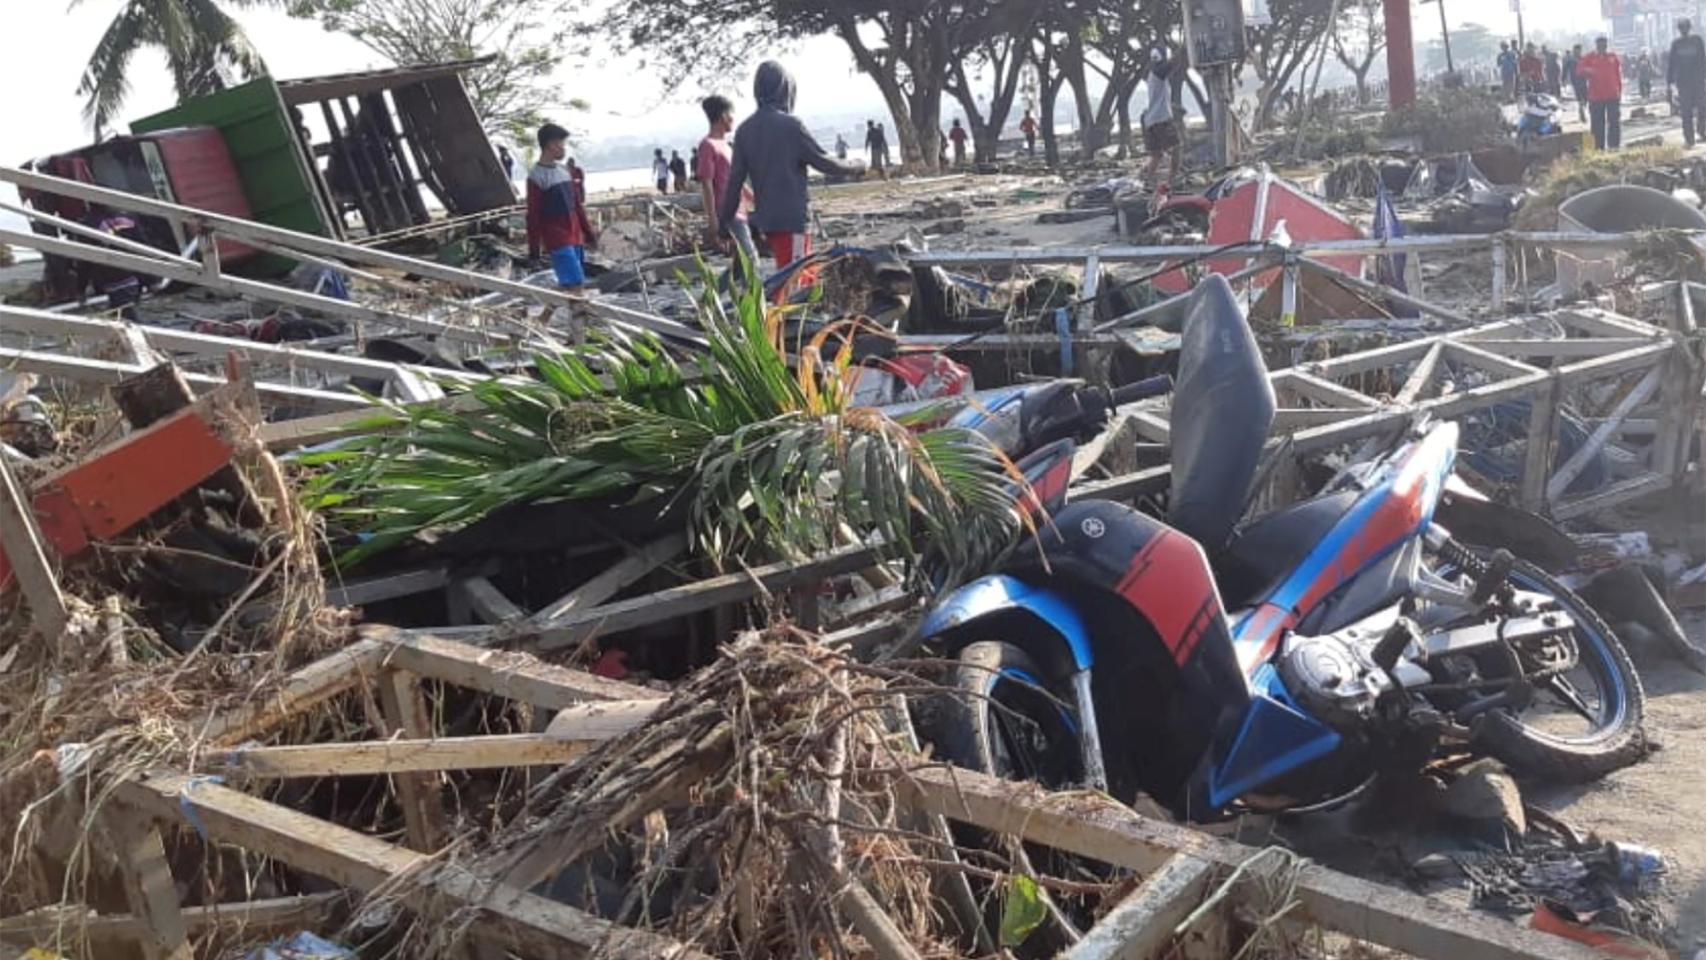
<point>1264,552</point>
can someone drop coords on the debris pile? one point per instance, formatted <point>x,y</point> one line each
<point>410,605</point>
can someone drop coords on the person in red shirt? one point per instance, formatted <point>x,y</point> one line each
<point>1533,70</point>
<point>715,161</point>
<point>958,135</point>
<point>556,211</point>
<point>1604,72</point>
<point>1028,127</point>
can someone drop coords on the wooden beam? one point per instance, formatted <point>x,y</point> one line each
<point>1602,323</point>
<point>574,731</point>
<point>1542,429</point>
<point>402,703</point>
<point>359,593</point>
<point>502,673</point>
<point>1288,419</point>
<point>86,370</point>
<point>614,579</point>
<point>1488,361</point>
<point>333,675</point>
<point>1631,489</point>
<point>666,605</point>
<point>1578,461</point>
<point>513,919</point>
<point>25,552</point>
<point>1616,364</point>
<point>1112,833</point>
<point>248,918</point>
<point>1307,385</point>
<point>1138,927</point>
<point>487,601</point>
<point>1422,376</point>
<point>1556,348</point>
<point>149,891</point>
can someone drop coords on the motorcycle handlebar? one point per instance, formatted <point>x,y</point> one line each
<point>1143,390</point>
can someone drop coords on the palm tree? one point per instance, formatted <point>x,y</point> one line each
<point>205,49</point>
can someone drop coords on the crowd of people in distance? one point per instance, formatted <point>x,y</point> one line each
<point>1597,80</point>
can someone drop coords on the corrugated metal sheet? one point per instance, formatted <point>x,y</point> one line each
<point>281,186</point>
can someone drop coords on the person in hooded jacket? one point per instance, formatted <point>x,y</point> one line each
<point>772,153</point>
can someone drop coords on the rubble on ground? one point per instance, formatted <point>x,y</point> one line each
<point>570,702</point>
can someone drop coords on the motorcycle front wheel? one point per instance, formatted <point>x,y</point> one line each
<point>1582,722</point>
<point>1004,716</point>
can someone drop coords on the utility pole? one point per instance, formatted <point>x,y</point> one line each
<point>1444,35</point>
<point>1521,42</point>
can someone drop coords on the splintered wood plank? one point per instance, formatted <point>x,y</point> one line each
<point>1141,924</point>
<point>331,676</point>
<point>1102,830</point>
<point>665,605</point>
<point>611,582</point>
<point>249,918</point>
<point>22,545</point>
<point>1421,377</point>
<point>403,704</point>
<point>488,602</point>
<point>574,731</point>
<point>148,888</point>
<point>518,676</point>
<point>513,919</point>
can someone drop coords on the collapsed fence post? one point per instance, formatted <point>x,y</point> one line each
<point>21,540</point>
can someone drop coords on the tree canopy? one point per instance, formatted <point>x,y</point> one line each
<point>206,51</point>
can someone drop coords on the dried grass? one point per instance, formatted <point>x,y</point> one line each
<point>108,699</point>
<point>756,815</point>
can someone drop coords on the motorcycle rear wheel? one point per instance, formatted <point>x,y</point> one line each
<point>1616,738</point>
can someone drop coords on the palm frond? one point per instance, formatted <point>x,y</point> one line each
<point>104,82</point>
<point>773,459</point>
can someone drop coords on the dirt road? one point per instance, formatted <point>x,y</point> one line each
<point>1660,803</point>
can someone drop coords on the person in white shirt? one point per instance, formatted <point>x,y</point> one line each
<point>1160,128</point>
<point>660,171</point>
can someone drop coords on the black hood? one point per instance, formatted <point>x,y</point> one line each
<point>774,87</point>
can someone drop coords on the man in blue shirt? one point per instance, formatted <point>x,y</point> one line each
<point>1507,68</point>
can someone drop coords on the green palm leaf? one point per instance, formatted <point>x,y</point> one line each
<point>774,460</point>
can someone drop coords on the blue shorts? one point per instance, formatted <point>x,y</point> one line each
<point>570,264</point>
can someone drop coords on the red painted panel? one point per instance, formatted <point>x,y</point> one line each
<point>198,162</point>
<point>1233,218</point>
<point>152,467</point>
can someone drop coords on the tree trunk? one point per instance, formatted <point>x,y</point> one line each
<point>1124,112</point>
<point>1362,86</point>
<point>1050,89</point>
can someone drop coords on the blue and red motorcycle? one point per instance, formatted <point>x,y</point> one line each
<point>1279,664</point>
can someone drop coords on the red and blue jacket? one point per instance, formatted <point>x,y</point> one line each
<point>556,211</point>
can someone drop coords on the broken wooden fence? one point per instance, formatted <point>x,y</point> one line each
<point>463,321</point>
<point>1180,866</point>
<point>1654,372</point>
